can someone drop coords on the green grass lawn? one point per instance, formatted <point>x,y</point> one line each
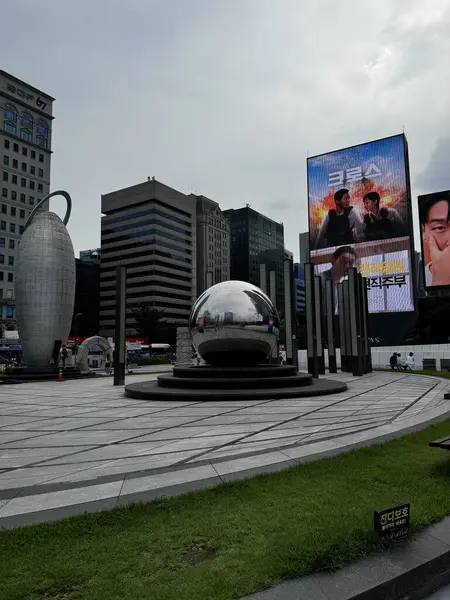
<point>443,374</point>
<point>253,533</point>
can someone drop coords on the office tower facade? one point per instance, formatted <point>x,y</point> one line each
<point>87,298</point>
<point>151,230</point>
<point>213,245</point>
<point>299,284</point>
<point>257,250</point>
<point>26,140</point>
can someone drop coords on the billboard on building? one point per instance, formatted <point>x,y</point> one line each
<point>360,215</point>
<point>434,216</point>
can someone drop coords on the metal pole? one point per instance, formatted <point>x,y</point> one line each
<point>355,332</point>
<point>329,303</point>
<point>119,341</point>
<point>319,315</point>
<point>311,333</point>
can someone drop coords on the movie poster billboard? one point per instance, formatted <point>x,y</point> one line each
<point>434,217</point>
<point>360,216</point>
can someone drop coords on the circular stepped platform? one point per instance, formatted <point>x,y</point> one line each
<point>265,382</point>
<point>24,374</point>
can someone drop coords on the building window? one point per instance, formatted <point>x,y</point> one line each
<point>31,184</point>
<point>32,169</point>
<point>11,261</point>
<point>40,187</point>
<point>22,214</point>
<point>2,259</point>
<point>10,118</point>
<point>12,228</point>
<point>14,195</point>
<point>23,182</point>
<point>6,161</point>
<point>14,179</point>
<point>24,151</point>
<point>10,277</point>
<point>4,209</point>
<point>12,211</point>
<point>15,163</point>
<point>21,228</point>
<point>31,200</point>
<point>26,127</point>
<point>6,144</point>
<point>41,172</point>
<point>12,244</point>
<point>41,158</point>
<point>22,197</point>
<point>42,133</point>
<point>5,176</point>
<point>3,225</point>
<point>2,242</point>
<point>5,192</point>
<point>33,154</point>
<point>24,166</point>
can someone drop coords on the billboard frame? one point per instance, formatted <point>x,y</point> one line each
<point>412,270</point>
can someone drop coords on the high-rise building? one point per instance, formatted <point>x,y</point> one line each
<point>299,285</point>
<point>25,138</point>
<point>87,298</point>
<point>257,250</point>
<point>174,246</point>
<point>213,245</point>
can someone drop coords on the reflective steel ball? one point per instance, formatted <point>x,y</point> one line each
<point>234,323</point>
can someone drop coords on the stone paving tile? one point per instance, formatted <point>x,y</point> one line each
<point>40,502</point>
<point>93,431</point>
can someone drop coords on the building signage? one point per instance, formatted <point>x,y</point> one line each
<point>392,521</point>
<point>37,100</point>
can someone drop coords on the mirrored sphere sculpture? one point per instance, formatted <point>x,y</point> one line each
<point>45,284</point>
<point>234,323</point>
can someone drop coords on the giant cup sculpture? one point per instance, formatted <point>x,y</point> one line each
<point>44,287</point>
<point>234,327</point>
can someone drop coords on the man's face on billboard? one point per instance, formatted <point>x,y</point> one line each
<point>438,225</point>
<point>370,205</point>
<point>344,202</point>
<point>343,263</point>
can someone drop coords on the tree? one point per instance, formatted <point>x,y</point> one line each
<point>150,323</point>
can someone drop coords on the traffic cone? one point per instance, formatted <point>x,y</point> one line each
<point>60,375</point>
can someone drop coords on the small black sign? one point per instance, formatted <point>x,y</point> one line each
<point>392,521</point>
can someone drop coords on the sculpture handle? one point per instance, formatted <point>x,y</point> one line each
<point>62,193</point>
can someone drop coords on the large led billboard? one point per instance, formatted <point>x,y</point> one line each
<point>434,216</point>
<point>360,215</point>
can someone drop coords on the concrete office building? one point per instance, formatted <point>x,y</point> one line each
<point>257,250</point>
<point>25,138</point>
<point>174,246</point>
<point>213,245</point>
<point>149,228</point>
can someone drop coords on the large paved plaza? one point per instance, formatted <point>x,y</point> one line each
<point>79,446</point>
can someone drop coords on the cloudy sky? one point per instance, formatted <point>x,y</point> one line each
<point>227,97</point>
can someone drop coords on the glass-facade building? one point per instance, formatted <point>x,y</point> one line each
<point>256,240</point>
<point>299,284</point>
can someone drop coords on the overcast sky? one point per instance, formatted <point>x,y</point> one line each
<point>227,97</point>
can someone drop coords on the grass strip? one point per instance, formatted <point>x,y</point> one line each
<point>232,540</point>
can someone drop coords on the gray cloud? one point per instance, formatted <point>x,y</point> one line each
<point>227,98</point>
